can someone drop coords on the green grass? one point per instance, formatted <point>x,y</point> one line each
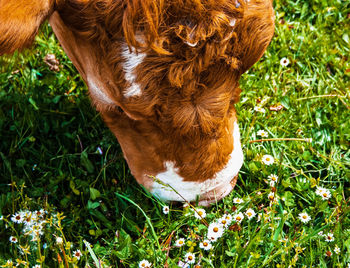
<point>50,136</point>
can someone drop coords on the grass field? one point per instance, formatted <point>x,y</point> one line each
<point>58,158</point>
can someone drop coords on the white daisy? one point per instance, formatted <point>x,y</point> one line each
<point>13,239</point>
<point>224,221</point>
<point>304,217</point>
<point>268,159</point>
<point>144,264</point>
<point>190,258</point>
<point>206,245</point>
<point>336,250</point>
<point>215,230</point>
<point>259,109</point>
<point>329,237</point>
<point>273,177</point>
<point>238,217</point>
<point>77,254</point>
<point>36,266</point>
<point>199,213</point>
<point>59,240</point>
<point>17,218</point>
<point>180,242</point>
<point>237,200</point>
<point>324,193</point>
<point>284,62</point>
<point>262,133</point>
<point>250,213</point>
<point>166,209</point>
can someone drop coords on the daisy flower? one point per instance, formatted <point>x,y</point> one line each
<point>13,239</point>
<point>262,133</point>
<point>190,258</point>
<point>271,196</point>
<point>215,230</point>
<point>225,221</point>
<point>329,237</point>
<point>273,178</point>
<point>17,218</point>
<point>77,254</point>
<point>144,264</point>
<point>259,109</point>
<point>284,62</point>
<point>180,242</point>
<point>238,217</point>
<point>237,200</point>
<point>206,245</point>
<point>166,209</point>
<point>59,240</point>
<point>36,266</point>
<point>250,213</point>
<point>268,159</point>
<point>199,213</point>
<point>304,217</point>
<point>324,193</point>
<point>336,250</point>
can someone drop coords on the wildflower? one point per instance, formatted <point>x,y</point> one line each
<point>328,253</point>
<point>166,209</point>
<point>273,178</point>
<point>200,213</point>
<point>215,231</point>
<point>9,263</point>
<point>144,264</point>
<point>17,218</point>
<point>238,217</point>
<point>225,221</point>
<point>262,133</point>
<point>268,159</point>
<point>329,237</point>
<point>271,196</point>
<point>99,150</point>
<point>190,258</point>
<point>284,62</point>
<point>183,265</point>
<point>304,217</point>
<point>336,250</point>
<point>13,239</point>
<point>77,254</point>
<point>36,266</point>
<point>320,233</point>
<point>237,200</point>
<point>180,242</point>
<point>206,245</point>
<point>259,109</point>
<point>250,213</point>
<point>59,240</point>
<point>324,193</point>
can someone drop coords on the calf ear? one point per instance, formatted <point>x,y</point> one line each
<point>20,21</point>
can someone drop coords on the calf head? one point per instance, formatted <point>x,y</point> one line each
<point>164,76</point>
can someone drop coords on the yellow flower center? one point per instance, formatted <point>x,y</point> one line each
<point>181,242</point>
<point>216,229</point>
<point>190,258</point>
<point>267,159</point>
<point>304,217</point>
<point>205,244</point>
<point>200,213</point>
<point>249,214</point>
<point>325,194</point>
<point>223,221</point>
<point>238,218</point>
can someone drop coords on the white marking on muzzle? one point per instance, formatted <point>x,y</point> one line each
<point>132,60</point>
<point>190,190</point>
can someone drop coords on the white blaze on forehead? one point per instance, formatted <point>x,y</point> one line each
<point>97,92</point>
<point>189,189</point>
<point>132,60</point>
